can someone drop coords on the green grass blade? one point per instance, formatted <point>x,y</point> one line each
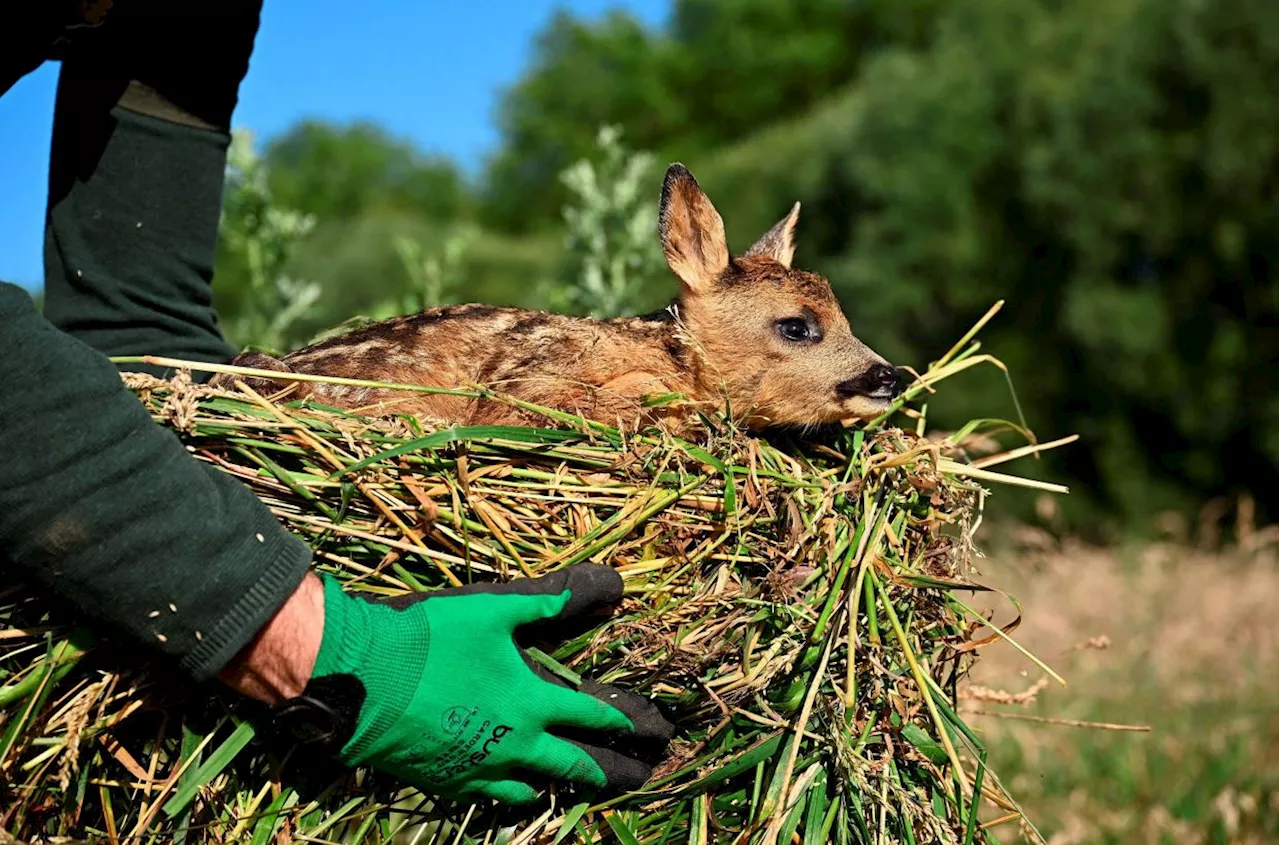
<point>570,820</point>
<point>815,810</point>
<point>270,819</point>
<point>924,743</point>
<point>210,768</point>
<point>463,434</point>
<point>625,834</point>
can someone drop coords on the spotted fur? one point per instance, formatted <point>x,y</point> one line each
<point>719,345</point>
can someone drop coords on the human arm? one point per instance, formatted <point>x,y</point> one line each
<point>108,510</point>
<point>129,258</point>
<point>276,664</point>
<point>136,171</point>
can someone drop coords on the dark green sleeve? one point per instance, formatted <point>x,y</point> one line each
<point>107,510</point>
<point>99,505</point>
<point>132,227</point>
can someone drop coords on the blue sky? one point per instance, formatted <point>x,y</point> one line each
<point>427,71</point>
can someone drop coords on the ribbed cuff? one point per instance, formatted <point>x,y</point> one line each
<point>132,230</point>
<point>360,639</point>
<point>346,632</point>
<point>289,560</point>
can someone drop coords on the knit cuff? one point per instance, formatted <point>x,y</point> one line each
<point>346,632</point>
<point>289,559</point>
<point>367,641</point>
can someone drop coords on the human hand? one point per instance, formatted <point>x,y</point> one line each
<point>433,689</point>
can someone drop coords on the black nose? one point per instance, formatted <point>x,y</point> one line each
<point>878,382</point>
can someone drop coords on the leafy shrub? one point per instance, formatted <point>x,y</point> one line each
<point>261,238</point>
<point>613,261</point>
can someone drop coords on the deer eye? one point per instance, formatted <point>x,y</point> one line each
<point>797,329</point>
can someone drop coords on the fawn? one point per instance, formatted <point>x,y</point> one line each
<point>752,335</point>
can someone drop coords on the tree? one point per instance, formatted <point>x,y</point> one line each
<point>720,71</point>
<point>337,173</point>
<point>584,75</point>
<point>1099,165</point>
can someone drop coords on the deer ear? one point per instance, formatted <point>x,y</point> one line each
<point>779,242</point>
<point>692,231</point>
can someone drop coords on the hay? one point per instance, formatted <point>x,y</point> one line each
<point>788,599</point>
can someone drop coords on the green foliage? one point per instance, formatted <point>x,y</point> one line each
<point>741,64</point>
<point>1098,166</point>
<point>719,71</point>
<point>435,279</point>
<point>383,260</point>
<point>260,236</point>
<point>613,259</point>
<point>337,173</point>
<point>586,74</point>
<point>1105,168</point>
<point>358,214</point>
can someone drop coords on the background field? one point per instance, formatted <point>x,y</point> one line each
<point>1107,168</point>
<point>1172,636</point>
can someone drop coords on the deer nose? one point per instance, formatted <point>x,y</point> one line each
<point>880,381</point>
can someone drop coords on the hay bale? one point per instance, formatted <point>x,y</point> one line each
<point>788,599</point>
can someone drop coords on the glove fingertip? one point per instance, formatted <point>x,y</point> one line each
<point>591,585</point>
<point>621,772</point>
<point>647,719</point>
<point>579,710</point>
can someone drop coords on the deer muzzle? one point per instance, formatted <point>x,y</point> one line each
<point>879,381</point>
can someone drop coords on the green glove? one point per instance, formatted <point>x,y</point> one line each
<point>433,689</point>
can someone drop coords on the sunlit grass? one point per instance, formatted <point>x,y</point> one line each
<point>1190,653</point>
<point>793,601</point>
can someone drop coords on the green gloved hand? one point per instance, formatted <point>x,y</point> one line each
<point>433,689</point>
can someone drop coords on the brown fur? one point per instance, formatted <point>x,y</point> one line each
<point>719,343</point>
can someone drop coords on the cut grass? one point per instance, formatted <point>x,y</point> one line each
<point>792,602</point>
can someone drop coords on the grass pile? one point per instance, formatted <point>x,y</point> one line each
<point>795,601</point>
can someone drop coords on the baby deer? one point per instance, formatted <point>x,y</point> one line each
<point>750,334</point>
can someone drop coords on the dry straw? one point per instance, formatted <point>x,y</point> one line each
<point>794,602</point>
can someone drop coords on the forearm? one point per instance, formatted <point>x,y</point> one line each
<point>277,663</point>
<point>131,233</point>
<point>107,510</point>
<point>137,163</point>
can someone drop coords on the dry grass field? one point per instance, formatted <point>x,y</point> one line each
<point>1179,637</point>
